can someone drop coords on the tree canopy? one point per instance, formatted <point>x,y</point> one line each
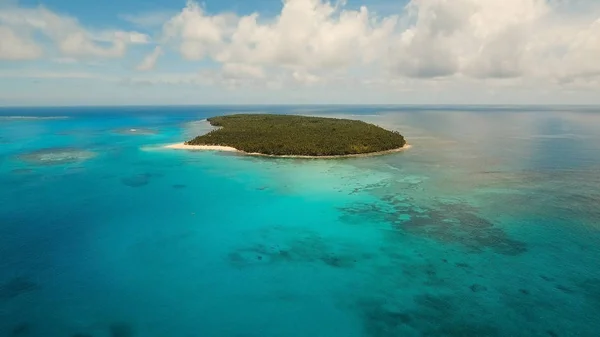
<point>298,135</point>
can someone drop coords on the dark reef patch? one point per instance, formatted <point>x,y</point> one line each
<point>21,329</point>
<point>121,329</point>
<point>428,315</point>
<point>427,273</point>
<point>547,278</point>
<point>591,291</point>
<point>179,186</point>
<point>464,329</point>
<point>137,180</point>
<point>75,170</point>
<point>16,287</point>
<point>447,222</point>
<point>564,289</point>
<point>462,265</point>
<point>477,288</point>
<point>22,171</point>
<point>529,306</point>
<point>380,320</point>
<point>306,247</point>
<point>296,252</point>
<point>437,304</point>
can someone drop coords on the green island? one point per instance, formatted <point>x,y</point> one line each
<point>292,135</point>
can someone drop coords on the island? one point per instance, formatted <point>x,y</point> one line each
<point>295,136</point>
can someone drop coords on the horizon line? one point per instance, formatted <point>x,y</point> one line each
<point>298,104</point>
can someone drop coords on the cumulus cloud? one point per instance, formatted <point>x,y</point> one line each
<point>314,42</point>
<point>198,34</point>
<point>305,77</point>
<point>485,39</point>
<point>149,62</point>
<point>65,60</point>
<point>68,36</point>
<point>51,75</point>
<point>17,47</point>
<point>240,70</point>
<point>479,39</point>
<point>580,58</point>
<point>308,34</point>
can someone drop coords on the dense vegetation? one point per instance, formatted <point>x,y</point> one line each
<point>298,135</point>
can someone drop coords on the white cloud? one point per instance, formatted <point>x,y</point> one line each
<point>308,34</point>
<point>305,77</point>
<point>65,60</point>
<point>16,47</point>
<point>493,44</point>
<point>149,62</point>
<point>197,34</point>
<point>239,70</point>
<point>165,78</point>
<point>69,37</point>
<point>480,39</point>
<point>581,59</point>
<point>51,75</point>
<point>495,39</point>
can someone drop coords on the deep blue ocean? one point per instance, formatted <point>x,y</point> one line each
<point>488,226</point>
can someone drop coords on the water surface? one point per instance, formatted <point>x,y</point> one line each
<point>488,226</point>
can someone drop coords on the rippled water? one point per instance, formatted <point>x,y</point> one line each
<point>488,226</point>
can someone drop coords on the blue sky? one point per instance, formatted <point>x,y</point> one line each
<point>107,11</point>
<point>66,52</point>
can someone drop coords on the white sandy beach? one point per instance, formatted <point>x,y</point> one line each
<point>183,146</point>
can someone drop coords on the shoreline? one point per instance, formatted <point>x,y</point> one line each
<point>183,146</point>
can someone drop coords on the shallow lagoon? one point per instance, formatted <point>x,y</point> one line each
<point>488,226</point>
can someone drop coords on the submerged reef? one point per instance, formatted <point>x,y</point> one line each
<point>139,180</point>
<point>136,131</point>
<point>22,171</point>
<point>448,222</point>
<point>304,247</point>
<point>427,314</point>
<point>121,329</point>
<point>21,329</point>
<point>57,156</point>
<point>16,287</point>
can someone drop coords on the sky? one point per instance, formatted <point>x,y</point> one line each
<point>177,52</point>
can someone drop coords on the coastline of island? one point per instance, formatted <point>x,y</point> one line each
<point>294,136</point>
<point>184,146</point>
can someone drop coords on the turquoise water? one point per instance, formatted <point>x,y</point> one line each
<point>488,226</point>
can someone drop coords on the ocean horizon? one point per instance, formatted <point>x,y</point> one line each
<point>487,226</point>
